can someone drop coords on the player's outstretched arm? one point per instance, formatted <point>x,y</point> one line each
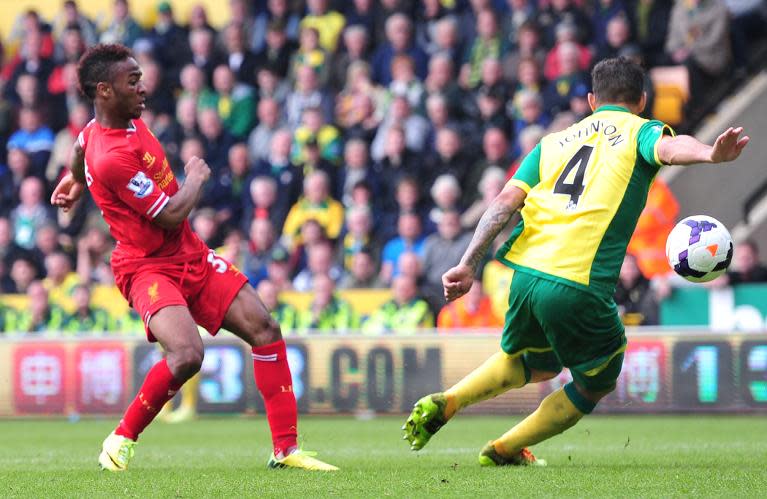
<point>687,150</point>
<point>181,204</point>
<point>457,281</point>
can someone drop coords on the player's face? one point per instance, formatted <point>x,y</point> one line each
<point>129,89</point>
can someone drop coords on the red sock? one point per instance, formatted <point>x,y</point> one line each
<point>159,387</point>
<point>272,373</point>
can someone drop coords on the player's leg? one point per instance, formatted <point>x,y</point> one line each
<point>586,332</point>
<point>176,331</point>
<point>248,318</point>
<point>504,370</point>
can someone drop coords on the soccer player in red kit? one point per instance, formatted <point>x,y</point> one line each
<point>167,273</point>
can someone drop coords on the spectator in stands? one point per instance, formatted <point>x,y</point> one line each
<point>363,273</point>
<point>447,39</point>
<point>557,94</point>
<point>634,297</point>
<point>356,169</point>
<point>473,310</point>
<point>490,185</point>
<point>450,157</point>
<point>289,177</point>
<point>277,11</point>
<point>240,59</point>
<point>359,233</point>
<point>33,137</point>
<point>122,28</point>
<point>260,137</point>
<point>198,19</point>
<point>699,40</point>
<point>529,49</point>
<point>86,318</point>
<point>603,12</point>
<point>440,252</point>
<point>441,81</point>
<point>359,106</point>
<point>398,162</point>
<point>746,266</point>
<point>495,154</point>
<point>192,81</point>
<point>203,53</point>
<point>566,33</point>
<point>31,214</point>
<point>93,251</point>
<point>32,59</point>
<point>316,203</point>
<point>531,113</point>
<point>235,102</point>
<point>404,82</point>
<point>310,53</point>
<point>40,316</point>
<point>327,313</point>
<point>71,16</point>
<point>361,13</point>
<point>23,272</point>
<point>415,128</point>
<point>356,41</point>
<point>404,314</point>
<point>649,20</point>
<point>488,44</point>
<point>168,40</point>
<point>227,190</point>
<point>260,247</point>
<point>11,176</point>
<point>215,139</point>
<point>206,225</point>
<point>284,313</point>
<point>319,262</point>
<point>62,144</point>
<point>278,269</point>
<point>438,113</point>
<point>557,12</point>
<point>9,252</point>
<point>489,107</point>
<point>313,128</point>
<point>328,23</point>
<point>60,280</point>
<point>399,40</point>
<point>618,37</point>
<point>648,244</point>
<point>409,238</point>
<point>159,97</point>
<point>446,195</point>
<point>277,51</point>
<point>307,94</point>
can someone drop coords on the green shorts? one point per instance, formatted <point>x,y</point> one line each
<point>555,325</point>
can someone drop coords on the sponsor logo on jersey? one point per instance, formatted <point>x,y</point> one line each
<point>141,185</point>
<point>149,159</point>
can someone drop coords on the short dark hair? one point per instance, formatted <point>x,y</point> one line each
<point>618,80</point>
<point>96,66</point>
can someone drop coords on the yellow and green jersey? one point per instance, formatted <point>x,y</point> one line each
<point>586,187</point>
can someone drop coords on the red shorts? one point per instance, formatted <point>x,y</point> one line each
<point>206,286</point>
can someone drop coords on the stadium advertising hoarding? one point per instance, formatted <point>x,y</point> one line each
<point>738,308</point>
<point>661,373</point>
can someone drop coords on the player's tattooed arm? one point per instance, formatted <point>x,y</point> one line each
<point>492,223</point>
<point>458,280</point>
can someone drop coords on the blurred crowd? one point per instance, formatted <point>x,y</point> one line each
<point>354,145</point>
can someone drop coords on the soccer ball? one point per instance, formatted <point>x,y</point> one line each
<point>699,248</point>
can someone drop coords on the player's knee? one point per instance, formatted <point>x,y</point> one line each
<point>265,331</point>
<point>537,375</point>
<point>185,362</point>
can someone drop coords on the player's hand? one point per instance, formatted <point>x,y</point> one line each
<point>729,145</point>
<point>457,281</point>
<point>198,169</point>
<point>67,193</point>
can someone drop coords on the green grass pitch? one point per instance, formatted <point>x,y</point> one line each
<point>636,456</point>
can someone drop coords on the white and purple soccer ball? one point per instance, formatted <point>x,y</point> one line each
<point>699,248</point>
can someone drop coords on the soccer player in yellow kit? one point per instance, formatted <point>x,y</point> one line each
<point>580,192</point>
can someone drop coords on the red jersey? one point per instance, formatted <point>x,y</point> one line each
<point>131,182</point>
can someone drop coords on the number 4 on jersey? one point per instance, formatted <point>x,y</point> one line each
<point>575,188</point>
